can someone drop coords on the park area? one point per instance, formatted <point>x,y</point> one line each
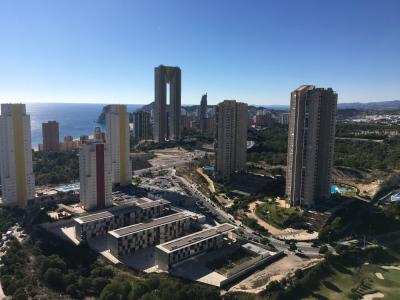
<point>278,216</point>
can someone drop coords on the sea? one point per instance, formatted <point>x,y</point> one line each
<point>74,119</point>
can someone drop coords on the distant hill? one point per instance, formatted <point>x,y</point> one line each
<point>345,108</point>
<point>377,106</point>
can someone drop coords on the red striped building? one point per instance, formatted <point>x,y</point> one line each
<point>95,176</point>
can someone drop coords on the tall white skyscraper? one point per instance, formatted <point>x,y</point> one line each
<point>230,138</point>
<point>17,179</point>
<point>95,175</point>
<point>118,140</point>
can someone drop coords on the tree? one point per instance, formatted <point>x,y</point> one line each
<point>137,180</point>
<point>99,283</point>
<point>138,290</point>
<point>20,294</point>
<point>54,278</point>
<point>323,249</point>
<point>73,290</point>
<point>292,246</point>
<point>274,286</point>
<point>115,290</point>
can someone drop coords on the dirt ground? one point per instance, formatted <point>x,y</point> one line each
<point>283,234</point>
<point>211,187</point>
<point>167,156</point>
<point>368,189</point>
<point>256,282</point>
<point>252,214</point>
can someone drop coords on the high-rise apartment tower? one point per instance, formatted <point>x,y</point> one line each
<point>141,125</point>
<point>311,142</point>
<point>17,179</point>
<point>230,138</point>
<point>95,175</point>
<point>118,140</point>
<point>51,136</point>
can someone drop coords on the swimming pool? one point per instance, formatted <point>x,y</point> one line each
<point>339,189</point>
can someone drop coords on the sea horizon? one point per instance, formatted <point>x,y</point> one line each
<point>75,119</point>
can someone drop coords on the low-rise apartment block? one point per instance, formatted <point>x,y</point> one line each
<point>172,252</point>
<point>128,239</point>
<point>98,224</point>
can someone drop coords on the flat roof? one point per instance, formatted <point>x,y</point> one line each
<point>143,226</point>
<point>94,217</point>
<point>121,209</point>
<point>196,237</point>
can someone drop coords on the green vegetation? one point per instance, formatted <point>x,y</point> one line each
<point>278,216</point>
<point>7,220</point>
<point>353,275</point>
<point>366,131</point>
<point>360,218</point>
<point>368,155</point>
<point>55,168</point>
<point>271,147</point>
<point>252,223</point>
<point>346,276</point>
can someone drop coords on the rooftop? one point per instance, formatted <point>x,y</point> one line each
<point>143,226</point>
<point>94,217</point>
<point>196,237</point>
<point>141,203</point>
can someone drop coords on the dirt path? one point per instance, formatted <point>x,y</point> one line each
<point>252,214</point>
<point>211,187</point>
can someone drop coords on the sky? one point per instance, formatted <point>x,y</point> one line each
<point>255,51</point>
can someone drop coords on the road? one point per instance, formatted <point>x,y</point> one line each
<point>246,232</point>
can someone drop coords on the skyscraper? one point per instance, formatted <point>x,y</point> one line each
<point>311,142</point>
<point>167,127</point>
<point>17,179</point>
<point>51,136</point>
<point>118,140</point>
<point>142,126</point>
<point>95,175</point>
<point>203,114</point>
<point>230,138</point>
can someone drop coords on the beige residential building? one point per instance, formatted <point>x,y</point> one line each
<point>230,138</point>
<point>118,141</point>
<point>17,178</point>
<point>311,140</point>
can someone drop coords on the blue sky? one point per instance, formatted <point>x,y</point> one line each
<point>253,51</point>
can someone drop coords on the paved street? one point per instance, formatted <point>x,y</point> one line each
<point>247,232</point>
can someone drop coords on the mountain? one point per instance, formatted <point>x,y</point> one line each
<point>102,118</point>
<point>377,106</point>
